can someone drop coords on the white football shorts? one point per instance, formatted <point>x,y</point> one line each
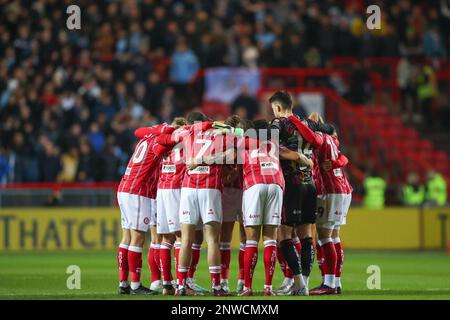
<point>168,207</point>
<point>200,205</point>
<point>262,204</point>
<point>332,210</point>
<point>136,211</point>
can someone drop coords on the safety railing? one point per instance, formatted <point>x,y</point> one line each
<point>35,194</point>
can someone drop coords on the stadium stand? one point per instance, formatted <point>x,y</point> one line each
<point>70,101</point>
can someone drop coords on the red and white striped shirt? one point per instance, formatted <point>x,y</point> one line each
<point>142,172</point>
<point>334,181</point>
<point>197,142</point>
<point>261,163</point>
<point>317,177</point>
<point>173,168</point>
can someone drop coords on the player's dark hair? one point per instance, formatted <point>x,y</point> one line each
<point>233,120</point>
<point>195,116</point>
<point>283,98</point>
<point>260,124</point>
<point>179,121</point>
<point>245,124</point>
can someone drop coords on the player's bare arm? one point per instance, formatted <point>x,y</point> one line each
<point>286,154</point>
<point>156,130</point>
<point>340,162</point>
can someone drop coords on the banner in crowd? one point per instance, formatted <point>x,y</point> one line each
<point>312,102</point>
<point>225,84</point>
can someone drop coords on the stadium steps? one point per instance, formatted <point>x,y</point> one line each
<point>393,146</point>
<point>440,138</point>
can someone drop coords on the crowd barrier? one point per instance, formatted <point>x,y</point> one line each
<point>65,229</point>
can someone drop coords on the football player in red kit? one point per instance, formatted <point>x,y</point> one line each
<point>263,185</point>
<point>173,169</point>
<point>168,202</point>
<point>200,199</point>
<point>232,208</point>
<point>333,202</point>
<point>136,197</point>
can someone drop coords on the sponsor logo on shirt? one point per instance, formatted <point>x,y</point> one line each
<point>200,170</point>
<point>268,165</point>
<point>128,171</point>
<point>169,168</point>
<point>146,220</point>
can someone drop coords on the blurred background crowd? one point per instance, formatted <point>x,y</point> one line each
<point>70,100</point>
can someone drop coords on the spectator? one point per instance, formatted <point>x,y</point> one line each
<point>436,189</point>
<point>426,93</point>
<point>51,163</point>
<point>85,162</point>
<point>134,61</point>
<point>432,43</point>
<point>96,138</point>
<point>360,89</point>
<point>413,193</point>
<point>406,81</point>
<point>374,191</point>
<point>183,68</point>
<point>247,104</point>
<point>69,166</point>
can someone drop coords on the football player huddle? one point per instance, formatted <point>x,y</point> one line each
<point>190,181</point>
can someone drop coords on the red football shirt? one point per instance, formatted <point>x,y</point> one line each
<point>142,172</point>
<point>261,163</point>
<point>334,180</point>
<point>198,142</point>
<point>173,167</point>
<point>317,177</point>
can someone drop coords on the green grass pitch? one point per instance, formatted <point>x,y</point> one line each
<point>42,275</point>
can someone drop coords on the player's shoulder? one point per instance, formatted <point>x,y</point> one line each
<point>279,122</point>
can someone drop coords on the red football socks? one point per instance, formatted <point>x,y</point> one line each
<point>250,259</point>
<point>225,258</point>
<point>270,258</point>
<point>122,262</point>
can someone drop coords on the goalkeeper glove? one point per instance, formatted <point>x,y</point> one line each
<point>222,128</point>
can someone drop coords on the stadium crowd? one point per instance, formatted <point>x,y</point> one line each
<point>70,100</point>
